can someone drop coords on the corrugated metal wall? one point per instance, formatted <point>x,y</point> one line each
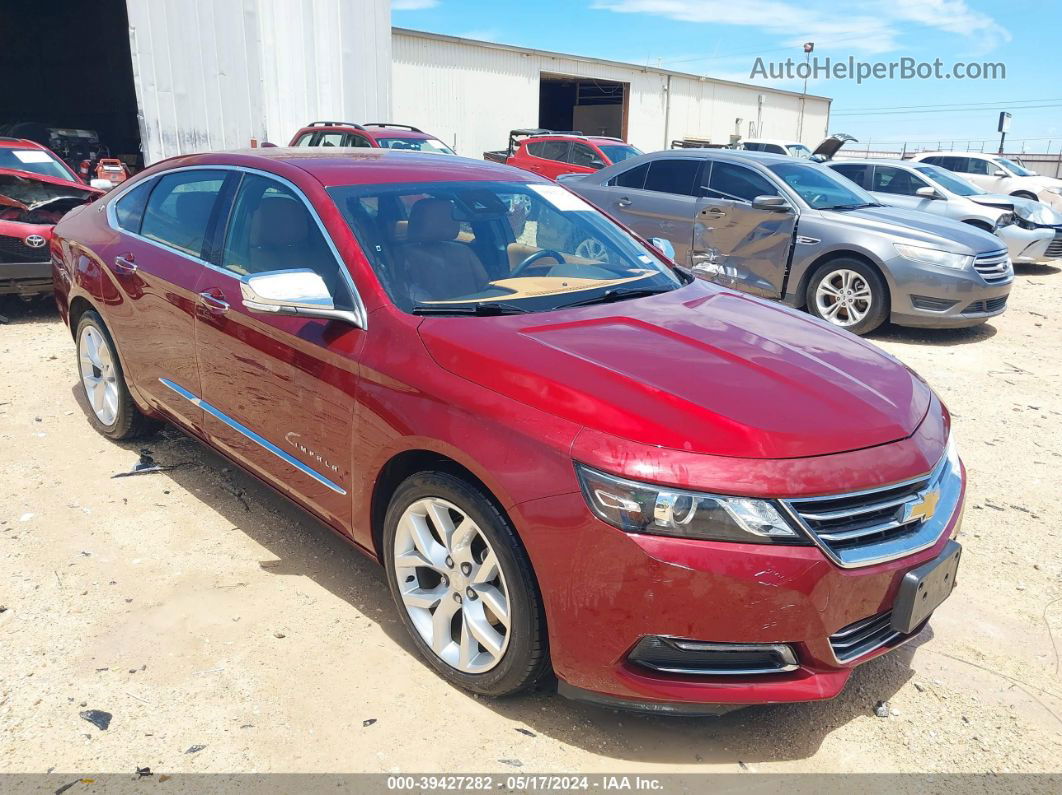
<point>212,74</point>
<point>471,94</point>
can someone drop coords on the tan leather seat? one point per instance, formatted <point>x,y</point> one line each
<point>436,266</point>
<point>279,231</point>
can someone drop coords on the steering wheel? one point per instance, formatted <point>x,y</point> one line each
<point>531,260</point>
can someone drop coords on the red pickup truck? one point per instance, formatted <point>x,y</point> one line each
<point>552,153</point>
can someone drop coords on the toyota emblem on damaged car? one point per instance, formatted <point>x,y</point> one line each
<point>34,241</point>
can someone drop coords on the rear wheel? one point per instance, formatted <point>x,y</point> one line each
<point>850,294</point>
<point>111,408</point>
<point>463,585</point>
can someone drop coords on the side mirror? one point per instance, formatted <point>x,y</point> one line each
<point>663,245</point>
<point>999,173</point>
<point>102,184</point>
<point>928,193</point>
<point>596,164</point>
<point>773,204</point>
<point>299,292</point>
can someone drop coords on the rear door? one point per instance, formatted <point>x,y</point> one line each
<point>749,248</point>
<point>547,158</point>
<point>279,391</point>
<point>659,199</point>
<point>154,264</point>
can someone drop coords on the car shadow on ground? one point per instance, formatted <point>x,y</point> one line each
<point>934,337</point>
<point>1028,269</point>
<point>39,309</point>
<point>307,548</point>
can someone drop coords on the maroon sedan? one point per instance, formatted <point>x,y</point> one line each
<point>668,494</point>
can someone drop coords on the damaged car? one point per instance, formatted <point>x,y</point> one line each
<point>36,190</point>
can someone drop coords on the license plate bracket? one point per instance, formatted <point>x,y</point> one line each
<point>924,588</point>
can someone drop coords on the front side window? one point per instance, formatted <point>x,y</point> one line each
<point>673,175</point>
<point>583,155</point>
<point>973,165</point>
<point>857,172</point>
<point>949,181</point>
<point>304,139</point>
<point>179,209</point>
<point>331,139</point>
<point>494,247</point>
<point>432,145</point>
<point>820,188</point>
<point>129,209</point>
<point>896,180</point>
<point>271,230</point>
<point>798,150</point>
<point>737,183</point>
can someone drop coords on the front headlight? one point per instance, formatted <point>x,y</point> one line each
<point>1054,190</point>
<point>636,507</point>
<point>934,256</point>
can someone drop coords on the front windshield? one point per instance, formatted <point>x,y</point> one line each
<point>798,150</point>
<point>495,247</point>
<point>1014,168</point>
<point>433,145</point>
<point>820,188</point>
<point>617,152</point>
<point>36,161</point>
<point>950,181</point>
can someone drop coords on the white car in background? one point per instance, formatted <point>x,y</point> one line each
<point>997,174</point>
<point>1031,230</point>
<point>780,146</point>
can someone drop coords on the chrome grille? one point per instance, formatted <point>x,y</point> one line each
<point>1054,249</point>
<point>876,525</point>
<point>863,637</point>
<point>994,267</point>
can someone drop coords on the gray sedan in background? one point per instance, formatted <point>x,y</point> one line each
<point>1031,230</point>
<point>787,229</point>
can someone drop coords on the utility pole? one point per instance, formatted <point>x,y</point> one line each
<point>1004,126</point>
<point>809,47</point>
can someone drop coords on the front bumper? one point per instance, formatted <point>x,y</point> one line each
<point>25,278</point>
<point>1026,245</point>
<point>605,590</point>
<point>934,297</point>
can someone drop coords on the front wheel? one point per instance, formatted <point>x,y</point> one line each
<point>463,585</point>
<point>850,294</point>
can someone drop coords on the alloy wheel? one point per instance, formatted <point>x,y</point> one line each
<point>451,585</point>
<point>844,297</point>
<point>98,374</point>
<point>592,249</point>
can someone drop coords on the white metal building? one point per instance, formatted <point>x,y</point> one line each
<point>158,78</point>
<point>471,93</point>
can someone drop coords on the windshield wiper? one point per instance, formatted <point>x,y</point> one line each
<point>484,309</point>
<point>859,206</point>
<point>618,294</point>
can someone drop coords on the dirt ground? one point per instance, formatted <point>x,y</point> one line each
<point>202,611</point>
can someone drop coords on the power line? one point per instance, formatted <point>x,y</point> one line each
<point>1002,102</point>
<point>955,111</point>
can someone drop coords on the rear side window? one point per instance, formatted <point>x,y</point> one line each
<point>179,209</point>
<point>632,178</point>
<point>549,150</point>
<point>129,210</point>
<point>272,230</point>
<point>896,180</point>
<point>857,172</point>
<point>752,147</point>
<point>673,176</point>
<point>729,181</point>
<point>359,141</point>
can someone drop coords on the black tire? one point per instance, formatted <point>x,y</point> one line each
<point>878,311</point>
<point>129,422</point>
<point>526,657</point>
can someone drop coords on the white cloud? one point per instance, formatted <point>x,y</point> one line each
<point>868,26</point>
<point>413,5</point>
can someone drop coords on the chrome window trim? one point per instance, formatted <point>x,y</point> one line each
<point>254,437</point>
<point>112,221</point>
<point>925,537</point>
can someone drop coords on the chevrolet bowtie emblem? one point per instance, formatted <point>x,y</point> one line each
<point>924,508</point>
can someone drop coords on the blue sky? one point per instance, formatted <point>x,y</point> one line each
<point>722,38</point>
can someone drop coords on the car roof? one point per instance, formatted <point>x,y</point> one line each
<point>341,165</point>
<point>735,155</point>
<point>20,143</point>
<point>372,132</point>
<point>779,141</point>
<point>875,161</point>
<point>957,154</point>
<point>596,139</point>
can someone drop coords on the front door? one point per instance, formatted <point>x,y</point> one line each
<point>898,187</point>
<point>154,264</point>
<point>749,248</point>
<point>279,391</point>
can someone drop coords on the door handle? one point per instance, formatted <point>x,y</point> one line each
<point>714,212</point>
<point>124,264</point>
<point>213,303</point>
<point>624,202</point>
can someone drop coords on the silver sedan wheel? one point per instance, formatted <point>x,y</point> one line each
<point>451,585</point>
<point>592,249</point>
<point>844,297</point>
<point>98,374</point>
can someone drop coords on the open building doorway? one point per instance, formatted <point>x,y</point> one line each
<point>66,72</point>
<point>594,107</point>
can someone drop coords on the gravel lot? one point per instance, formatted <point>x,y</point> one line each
<point>199,609</point>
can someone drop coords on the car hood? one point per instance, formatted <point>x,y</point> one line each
<point>827,149</point>
<point>1030,210</point>
<point>26,191</point>
<point>918,228</point>
<point>699,369</point>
